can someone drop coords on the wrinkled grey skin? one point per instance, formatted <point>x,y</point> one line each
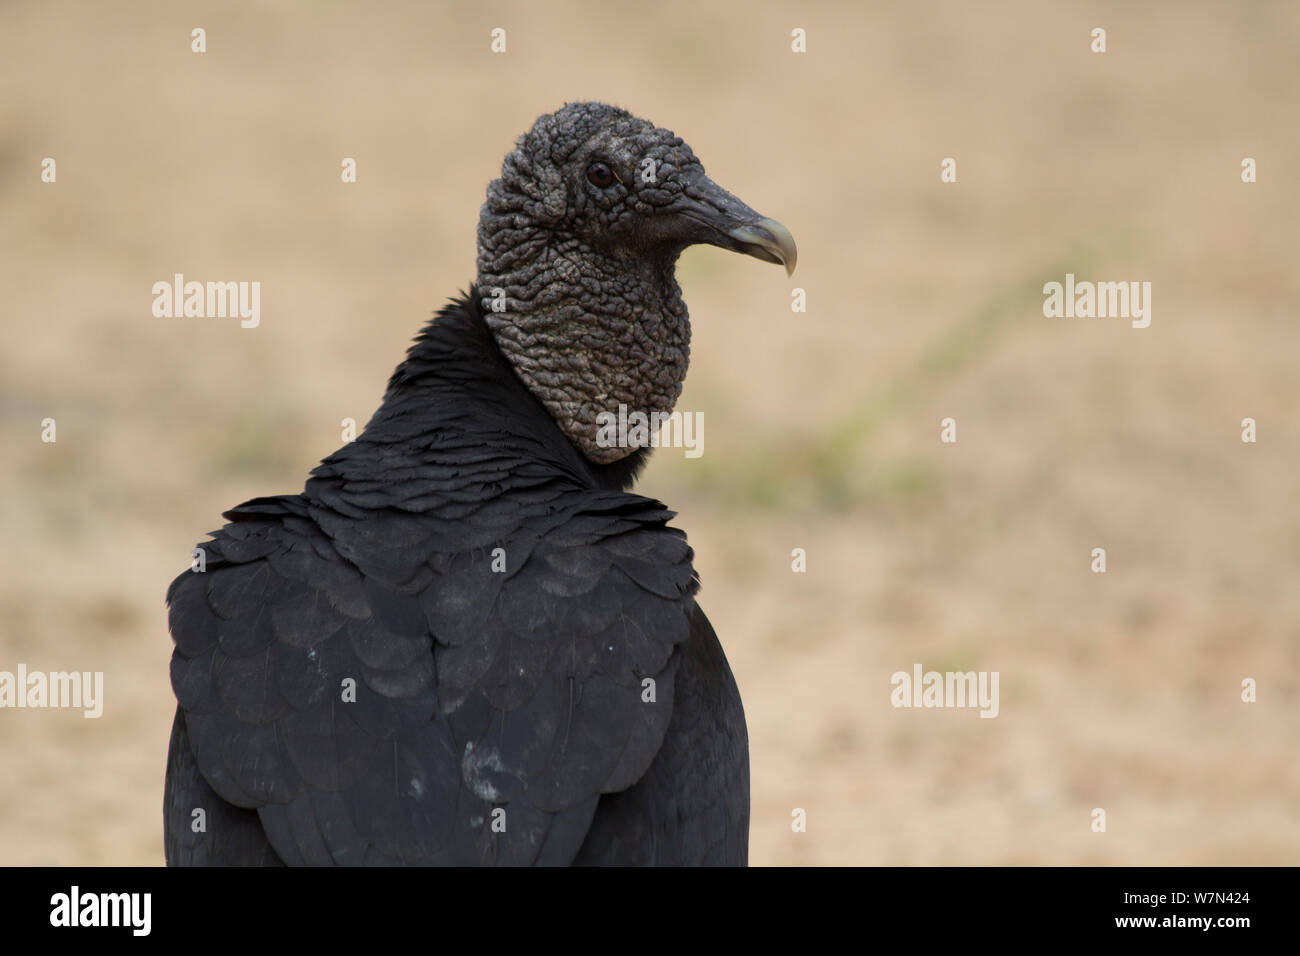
<point>593,316</point>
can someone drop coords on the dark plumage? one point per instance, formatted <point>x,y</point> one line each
<point>473,566</point>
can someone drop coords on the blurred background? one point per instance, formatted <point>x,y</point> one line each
<point>924,301</point>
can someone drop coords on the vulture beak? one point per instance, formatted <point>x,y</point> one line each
<point>712,215</point>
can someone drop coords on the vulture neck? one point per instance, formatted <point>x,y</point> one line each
<point>457,400</point>
<point>595,336</point>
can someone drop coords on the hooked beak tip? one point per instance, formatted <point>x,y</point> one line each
<point>768,240</point>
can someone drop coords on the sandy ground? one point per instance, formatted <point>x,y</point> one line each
<point>1119,691</point>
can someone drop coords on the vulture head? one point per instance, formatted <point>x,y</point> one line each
<point>577,244</point>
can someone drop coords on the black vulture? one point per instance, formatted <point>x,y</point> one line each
<point>465,642</point>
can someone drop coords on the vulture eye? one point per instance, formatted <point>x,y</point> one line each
<point>598,174</point>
